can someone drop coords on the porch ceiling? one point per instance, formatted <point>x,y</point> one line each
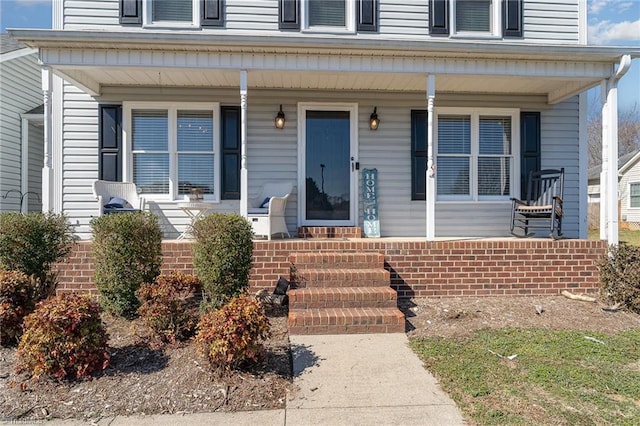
<point>371,81</point>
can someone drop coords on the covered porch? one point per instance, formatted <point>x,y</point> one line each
<point>356,76</point>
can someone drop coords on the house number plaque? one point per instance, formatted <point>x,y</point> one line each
<point>371,217</point>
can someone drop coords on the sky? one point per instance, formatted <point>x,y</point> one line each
<point>611,23</point>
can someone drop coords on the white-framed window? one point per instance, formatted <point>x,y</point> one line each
<point>634,195</point>
<point>476,154</point>
<point>171,13</point>
<point>328,15</point>
<point>171,149</point>
<point>476,17</point>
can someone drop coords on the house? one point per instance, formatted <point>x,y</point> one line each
<point>21,127</point>
<point>628,188</point>
<point>467,97</point>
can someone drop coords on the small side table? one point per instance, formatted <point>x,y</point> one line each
<point>195,210</point>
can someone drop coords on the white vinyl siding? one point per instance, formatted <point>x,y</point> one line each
<point>20,91</point>
<point>631,177</point>
<point>272,155</point>
<point>545,21</point>
<point>35,162</point>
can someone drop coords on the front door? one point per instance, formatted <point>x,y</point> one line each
<point>328,163</point>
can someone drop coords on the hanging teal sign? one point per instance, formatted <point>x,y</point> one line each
<point>371,219</point>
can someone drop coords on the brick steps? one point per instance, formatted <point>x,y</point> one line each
<point>312,278</point>
<point>342,293</point>
<point>346,321</point>
<point>349,297</point>
<point>337,260</point>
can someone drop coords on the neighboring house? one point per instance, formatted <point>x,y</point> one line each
<point>628,187</point>
<point>470,96</point>
<point>21,127</point>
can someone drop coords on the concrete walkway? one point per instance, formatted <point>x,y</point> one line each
<point>364,380</point>
<point>367,379</point>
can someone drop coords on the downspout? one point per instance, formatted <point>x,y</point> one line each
<point>610,145</point>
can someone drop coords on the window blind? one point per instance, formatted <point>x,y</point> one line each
<point>495,135</point>
<point>454,134</point>
<point>172,10</point>
<point>328,13</point>
<point>473,15</point>
<point>195,151</point>
<point>453,176</point>
<point>150,135</point>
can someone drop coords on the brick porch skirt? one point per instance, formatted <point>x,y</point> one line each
<point>418,268</point>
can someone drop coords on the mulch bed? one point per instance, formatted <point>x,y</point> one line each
<point>143,378</point>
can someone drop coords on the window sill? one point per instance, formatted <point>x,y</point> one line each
<point>328,30</point>
<point>172,26</point>
<point>479,37</point>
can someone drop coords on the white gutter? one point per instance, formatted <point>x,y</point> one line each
<point>186,41</point>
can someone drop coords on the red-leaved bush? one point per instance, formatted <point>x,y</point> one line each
<point>64,338</point>
<point>168,306</point>
<point>16,301</point>
<point>232,335</point>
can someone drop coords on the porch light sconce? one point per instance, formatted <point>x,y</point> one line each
<point>374,121</point>
<point>280,119</point>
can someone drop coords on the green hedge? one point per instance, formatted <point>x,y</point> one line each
<point>127,249</point>
<point>222,254</point>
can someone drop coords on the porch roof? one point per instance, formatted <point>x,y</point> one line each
<point>97,59</point>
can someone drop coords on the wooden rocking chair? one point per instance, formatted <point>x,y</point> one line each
<point>542,208</point>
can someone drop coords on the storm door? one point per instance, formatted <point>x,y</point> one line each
<point>328,165</point>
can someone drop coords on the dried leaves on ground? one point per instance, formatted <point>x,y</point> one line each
<point>145,378</point>
<point>455,317</point>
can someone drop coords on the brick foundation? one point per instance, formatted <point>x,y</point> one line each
<point>417,268</point>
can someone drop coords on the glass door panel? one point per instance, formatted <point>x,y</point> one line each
<point>327,166</point>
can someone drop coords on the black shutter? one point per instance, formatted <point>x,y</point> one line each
<point>110,142</point>
<point>529,147</point>
<point>131,12</point>
<point>289,15</point>
<point>368,15</point>
<point>418,155</point>
<point>212,13</point>
<point>230,153</point>
<point>439,17</point>
<point>512,18</point>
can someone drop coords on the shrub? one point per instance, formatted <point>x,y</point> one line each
<point>63,338</point>
<point>32,243</point>
<point>127,249</point>
<point>231,335</point>
<point>620,275</point>
<point>16,301</point>
<point>222,254</point>
<point>168,306</point>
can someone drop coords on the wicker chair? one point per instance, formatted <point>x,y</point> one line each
<point>266,210</point>
<point>543,207</point>
<point>105,191</point>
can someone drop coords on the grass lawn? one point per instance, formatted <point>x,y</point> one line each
<point>631,237</point>
<point>558,377</point>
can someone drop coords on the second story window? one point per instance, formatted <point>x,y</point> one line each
<point>328,15</point>
<point>171,13</point>
<point>476,17</point>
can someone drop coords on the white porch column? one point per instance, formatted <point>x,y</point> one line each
<point>605,161</point>
<point>431,168</point>
<point>244,177</point>
<point>610,150</point>
<point>47,170</point>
